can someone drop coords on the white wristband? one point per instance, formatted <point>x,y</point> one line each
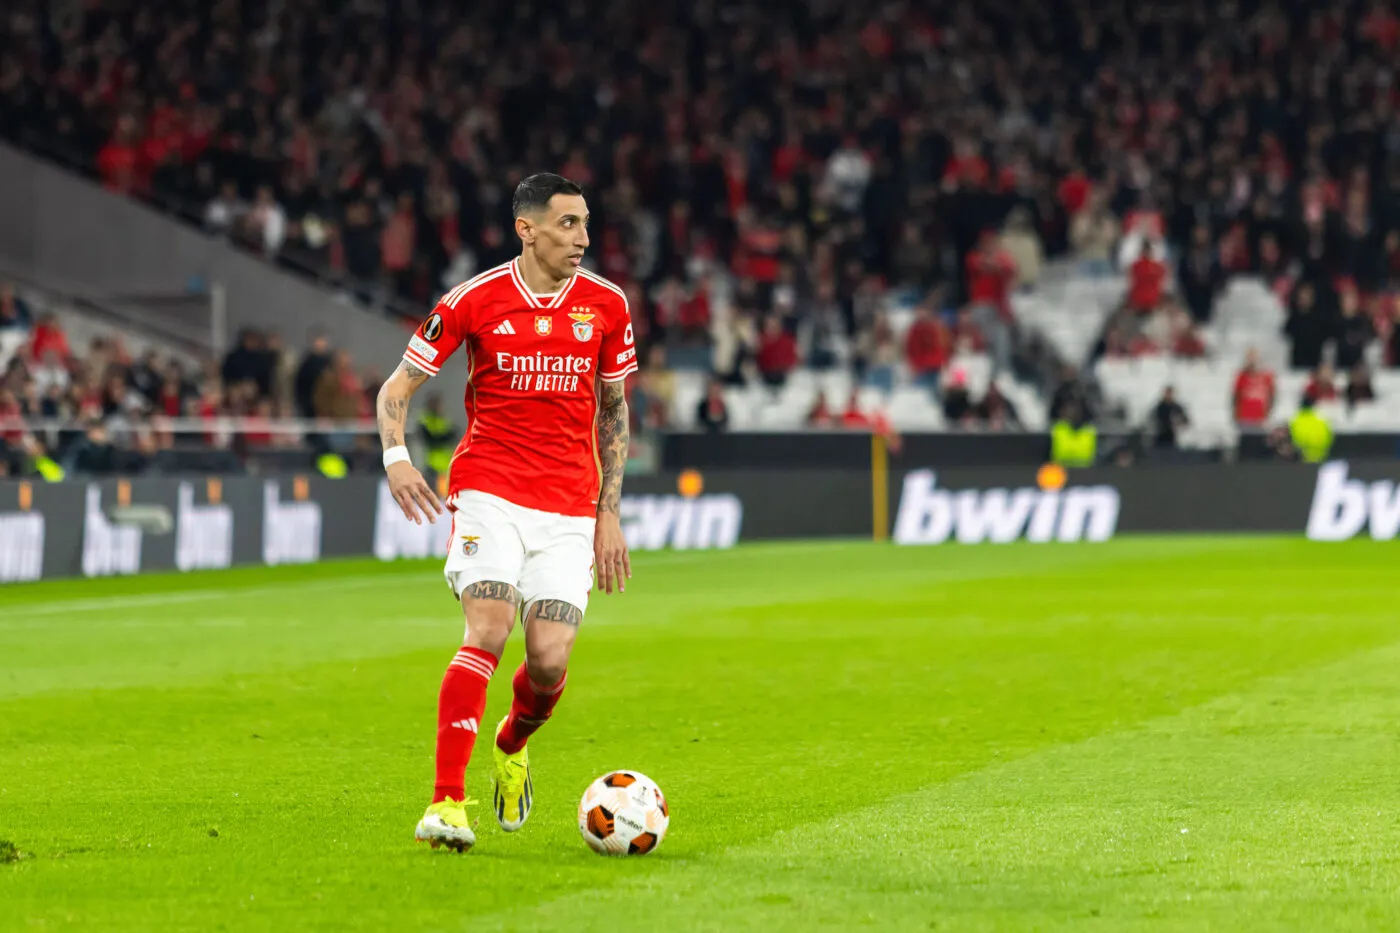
<point>394,455</point>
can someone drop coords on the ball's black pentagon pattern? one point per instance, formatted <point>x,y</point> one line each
<point>600,822</point>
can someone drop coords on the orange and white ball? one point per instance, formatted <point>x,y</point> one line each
<point>623,813</point>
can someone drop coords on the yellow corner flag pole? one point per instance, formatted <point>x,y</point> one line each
<point>879,486</point>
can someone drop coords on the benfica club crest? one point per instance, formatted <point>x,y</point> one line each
<point>543,324</point>
<point>583,324</point>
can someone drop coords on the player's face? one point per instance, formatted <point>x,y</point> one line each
<point>560,234</point>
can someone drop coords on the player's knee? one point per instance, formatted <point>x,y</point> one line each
<point>546,665</point>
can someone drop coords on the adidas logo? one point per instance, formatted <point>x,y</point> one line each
<point>468,724</point>
<point>504,328</point>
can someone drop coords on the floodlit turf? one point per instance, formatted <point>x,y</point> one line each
<point>1152,734</point>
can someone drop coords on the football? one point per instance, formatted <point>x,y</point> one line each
<point>623,813</point>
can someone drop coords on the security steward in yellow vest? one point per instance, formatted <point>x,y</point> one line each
<point>1074,441</point>
<point>439,435</point>
<point>1310,433</point>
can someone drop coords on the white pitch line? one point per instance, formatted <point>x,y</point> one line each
<point>194,596</point>
<point>135,601</point>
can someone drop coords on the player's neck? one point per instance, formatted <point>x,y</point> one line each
<point>538,279</point>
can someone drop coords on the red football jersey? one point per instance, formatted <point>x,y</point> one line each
<point>533,361</point>
<point>1254,396</point>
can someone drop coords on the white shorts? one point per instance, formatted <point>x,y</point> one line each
<point>542,554</point>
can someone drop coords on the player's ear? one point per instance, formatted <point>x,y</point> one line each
<point>525,230</point>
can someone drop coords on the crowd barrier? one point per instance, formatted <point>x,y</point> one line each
<point>127,526</point>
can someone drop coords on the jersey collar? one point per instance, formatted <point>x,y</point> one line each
<point>532,300</point>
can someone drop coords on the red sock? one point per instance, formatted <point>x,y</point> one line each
<point>528,711</point>
<point>460,705</point>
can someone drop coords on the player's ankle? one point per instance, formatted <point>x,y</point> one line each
<point>445,792</point>
<point>507,742</point>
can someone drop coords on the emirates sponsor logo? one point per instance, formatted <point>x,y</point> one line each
<point>543,363</point>
<point>544,372</point>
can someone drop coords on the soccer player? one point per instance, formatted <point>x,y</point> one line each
<point>533,489</point>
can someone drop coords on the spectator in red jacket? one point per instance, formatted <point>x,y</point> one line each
<point>1147,280</point>
<point>990,274</point>
<point>820,414</point>
<point>777,352</point>
<point>1254,393</point>
<point>927,346</point>
<point>48,337</point>
<point>853,417</point>
<point>1186,339</point>
<point>1074,190</point>
<point>1322,385</point>
<point>118,162</point>
<point>10,415</point>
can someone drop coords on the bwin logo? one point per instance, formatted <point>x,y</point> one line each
<point>928,515</point>
<point>650,523</point>
<point>1342,507</point>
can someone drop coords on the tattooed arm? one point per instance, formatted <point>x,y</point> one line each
<point>406,484</point>
<point>392,405</point>
<point>609,546</point>
<point>612,445</point>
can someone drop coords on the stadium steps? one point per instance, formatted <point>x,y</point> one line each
<point>82,327</point>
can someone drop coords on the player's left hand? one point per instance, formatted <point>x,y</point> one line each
<point>610,557</point>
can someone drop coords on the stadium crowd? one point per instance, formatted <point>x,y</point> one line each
<point>825,158</point>
<point>117,408</point>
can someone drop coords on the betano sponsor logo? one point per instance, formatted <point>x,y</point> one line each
<point>929,515</point>
<point>1342,507</point>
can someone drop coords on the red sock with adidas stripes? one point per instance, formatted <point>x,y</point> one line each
<point>461,702</point>
<point>528,711</point>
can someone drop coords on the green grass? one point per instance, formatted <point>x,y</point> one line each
<point>1153,734</point>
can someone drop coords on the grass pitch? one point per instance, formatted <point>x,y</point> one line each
<point>1152,734</point>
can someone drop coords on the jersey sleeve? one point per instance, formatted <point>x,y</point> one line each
<point>617,354</point>
<point>440,334</point>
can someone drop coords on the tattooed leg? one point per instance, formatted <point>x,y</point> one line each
<point>551,625</point>
<point>489,607</point>
<point>555,610</point>
<point>491,589</point>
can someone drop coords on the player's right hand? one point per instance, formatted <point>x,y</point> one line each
<point>412,492</point>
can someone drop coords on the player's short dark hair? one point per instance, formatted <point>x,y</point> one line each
<point>533,193</point>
